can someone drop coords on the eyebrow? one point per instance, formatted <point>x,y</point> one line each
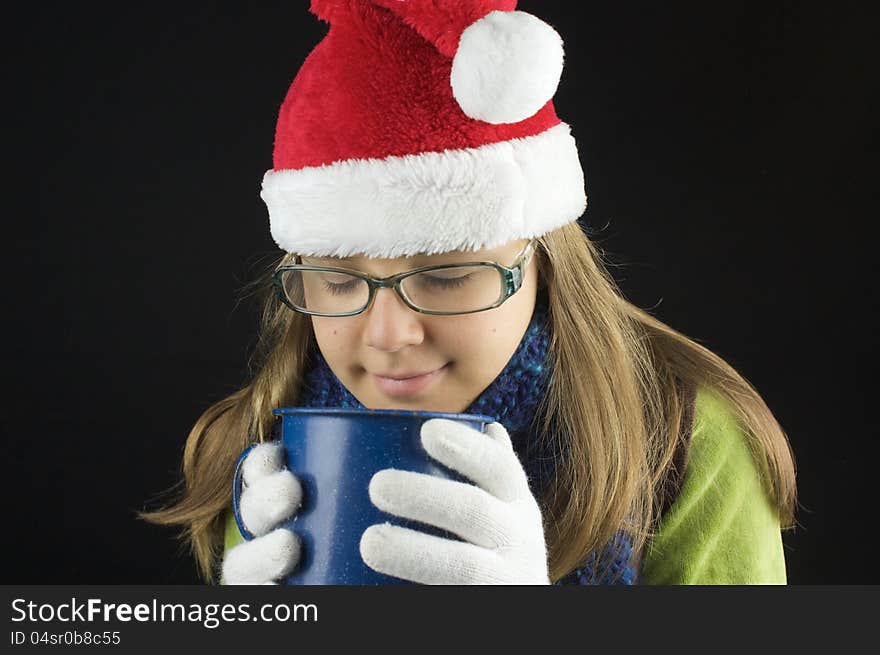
<point>327,261</point>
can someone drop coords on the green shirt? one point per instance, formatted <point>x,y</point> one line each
<point>722,528</point>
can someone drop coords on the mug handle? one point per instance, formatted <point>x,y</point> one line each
<point>236,493</point>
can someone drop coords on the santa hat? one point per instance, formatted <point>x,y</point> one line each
<point>418,126</point>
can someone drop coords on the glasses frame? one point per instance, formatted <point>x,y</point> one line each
<point>513,278</point>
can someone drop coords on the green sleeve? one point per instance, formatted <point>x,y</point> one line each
<point>232,537</point>
<point>722,529</point>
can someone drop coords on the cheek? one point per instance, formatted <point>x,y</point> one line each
<point>472,344</point>
<point>490,339</point>
<point>332,335</point>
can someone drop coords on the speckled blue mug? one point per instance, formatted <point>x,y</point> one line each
<point>334,454</point>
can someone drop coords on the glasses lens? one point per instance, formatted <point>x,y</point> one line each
<point>455,289</point>
<point>325,292</point>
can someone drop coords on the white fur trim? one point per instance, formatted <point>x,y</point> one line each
<point>507,67</point>
<point>434,202</point>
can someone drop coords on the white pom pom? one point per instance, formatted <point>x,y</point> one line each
<point>507,67</point>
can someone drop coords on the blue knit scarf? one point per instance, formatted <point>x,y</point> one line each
<point>512,399</point>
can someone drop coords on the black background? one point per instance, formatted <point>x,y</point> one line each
<point>727,148</point>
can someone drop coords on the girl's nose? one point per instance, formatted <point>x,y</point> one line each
<point>390,324</point>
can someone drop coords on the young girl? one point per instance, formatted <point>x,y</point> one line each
<point>427,198</point>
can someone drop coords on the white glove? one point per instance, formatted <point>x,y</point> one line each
<point>498,518</point>
<point>270,494</point>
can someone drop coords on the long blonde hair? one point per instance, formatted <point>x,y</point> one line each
<point>615,396</point>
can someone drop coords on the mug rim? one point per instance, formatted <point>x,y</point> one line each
<point>354,411</point>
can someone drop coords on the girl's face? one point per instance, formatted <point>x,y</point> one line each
<point>461,353</point>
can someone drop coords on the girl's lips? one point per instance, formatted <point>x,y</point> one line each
<point>409,386</point>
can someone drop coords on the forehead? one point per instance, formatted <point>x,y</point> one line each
<point>502,252</point>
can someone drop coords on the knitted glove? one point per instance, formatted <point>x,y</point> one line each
<point>270,494</point>
<point>498,517</point>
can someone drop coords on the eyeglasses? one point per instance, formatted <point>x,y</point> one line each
<point>440,290</point>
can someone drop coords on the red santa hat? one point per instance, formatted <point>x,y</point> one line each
<point>418,126</point>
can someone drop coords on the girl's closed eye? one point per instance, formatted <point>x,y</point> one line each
<point>340,284</point>
<point>444,282</point>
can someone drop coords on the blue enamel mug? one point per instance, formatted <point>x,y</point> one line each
<point>334,454</point>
